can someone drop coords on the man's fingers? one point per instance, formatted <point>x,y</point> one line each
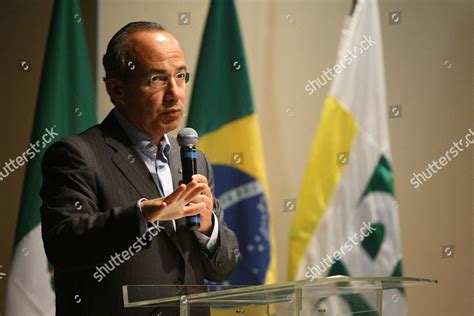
<point>194,208</point>
<point>192,189</point>
<point>176,194</point>
<point>207,192</point>
<point>200,178</point>
<point>202,198</point>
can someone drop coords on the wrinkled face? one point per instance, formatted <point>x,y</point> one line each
<point>152,97</point>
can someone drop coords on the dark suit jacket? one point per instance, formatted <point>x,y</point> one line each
<point>91,184</point>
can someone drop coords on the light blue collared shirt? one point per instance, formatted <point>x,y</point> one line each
<point>155,157</point>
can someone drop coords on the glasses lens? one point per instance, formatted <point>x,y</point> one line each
<point>158,80</point>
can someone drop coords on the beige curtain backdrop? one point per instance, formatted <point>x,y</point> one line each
<point>429,61</point>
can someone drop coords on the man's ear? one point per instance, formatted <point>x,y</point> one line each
<point>115,89</point>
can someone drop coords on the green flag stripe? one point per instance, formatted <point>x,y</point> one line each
<point>66,101</point>
<point>398,272</point>
<point>355,301</point>
<point>221,79</point>
<point>381,180</point>
<point>373,242</point>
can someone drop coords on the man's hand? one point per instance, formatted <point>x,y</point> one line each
<point>205,197</point>
<point>185,201</point>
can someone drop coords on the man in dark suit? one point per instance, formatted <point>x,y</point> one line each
<point>113,207</point>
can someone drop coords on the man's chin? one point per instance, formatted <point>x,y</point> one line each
<point>170,125</point>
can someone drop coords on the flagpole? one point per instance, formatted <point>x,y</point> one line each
<point>354,2</point>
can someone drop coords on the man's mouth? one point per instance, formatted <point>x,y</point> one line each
<point>173,110</point>
<point>172,113</point>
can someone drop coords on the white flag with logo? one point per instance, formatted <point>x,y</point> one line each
<point>346,220</point>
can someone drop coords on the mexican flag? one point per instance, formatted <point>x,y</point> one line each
<point>65,106</point>
<point>223,114</point>
<point>346,220</point>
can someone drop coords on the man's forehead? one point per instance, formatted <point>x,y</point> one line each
<point>154,45</point>
<point>154,38</point>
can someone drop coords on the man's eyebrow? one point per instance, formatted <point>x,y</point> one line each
<point>162,71</point>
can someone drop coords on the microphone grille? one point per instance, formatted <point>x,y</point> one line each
<point>187,136</point>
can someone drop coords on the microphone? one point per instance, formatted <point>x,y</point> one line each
<point>187,139</point>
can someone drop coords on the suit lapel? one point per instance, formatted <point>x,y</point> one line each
<point>127,159</point>
<point>175,162</point>
<point>130,163</point>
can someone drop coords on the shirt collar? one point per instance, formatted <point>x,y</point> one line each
<point>142,141</point>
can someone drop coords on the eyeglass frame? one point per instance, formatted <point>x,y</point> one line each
<point>187,76</point>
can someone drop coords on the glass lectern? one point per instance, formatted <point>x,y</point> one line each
<point>338,295</point>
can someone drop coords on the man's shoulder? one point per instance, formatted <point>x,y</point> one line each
<point>89,136</point>
<point>95,135</point>
<point>84,145</point>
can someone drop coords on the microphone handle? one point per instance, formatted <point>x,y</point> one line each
<point>188,161</point>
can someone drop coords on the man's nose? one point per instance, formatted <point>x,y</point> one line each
<point>171,93</point>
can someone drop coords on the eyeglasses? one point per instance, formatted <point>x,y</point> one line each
<point>162,80</point>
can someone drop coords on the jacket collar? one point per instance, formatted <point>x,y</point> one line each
<point>126,158</point>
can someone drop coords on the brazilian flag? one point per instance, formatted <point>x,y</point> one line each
<point>223,114</point>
